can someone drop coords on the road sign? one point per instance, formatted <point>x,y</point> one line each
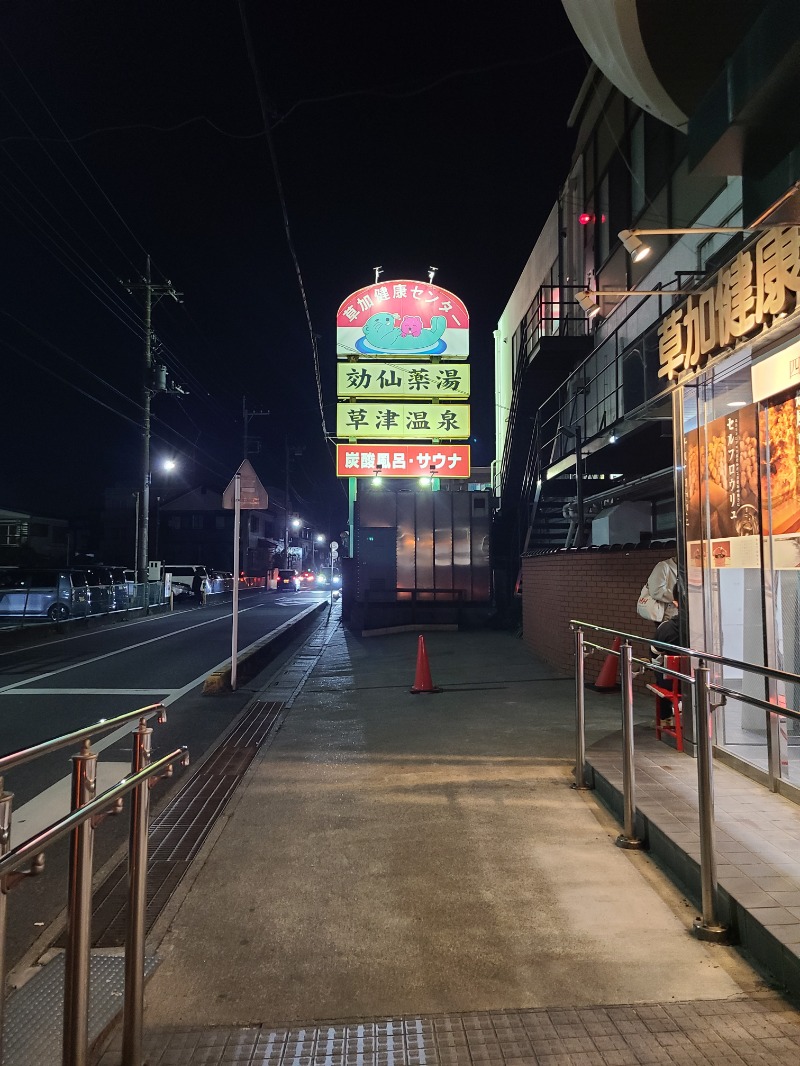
<point>253,494</point>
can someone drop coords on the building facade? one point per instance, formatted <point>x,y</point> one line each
<point>681,422</point>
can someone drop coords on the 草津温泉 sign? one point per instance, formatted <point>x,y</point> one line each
<point>373,380</point>
<point>402,319</point>
<point>420,421</point>
<point>402,460</point>
<point>758,284</point>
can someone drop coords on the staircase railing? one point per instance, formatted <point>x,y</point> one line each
<point>87,810</point>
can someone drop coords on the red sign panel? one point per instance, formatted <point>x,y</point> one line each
<point>403,460</point>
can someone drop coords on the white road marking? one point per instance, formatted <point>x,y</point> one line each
<point>40,812</point>
<point>111,654</point>
<point>90,692</point>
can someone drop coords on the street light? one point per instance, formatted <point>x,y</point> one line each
<point>319,538</point>
<point>167,465</point>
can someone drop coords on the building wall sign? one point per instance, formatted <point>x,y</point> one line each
<point>420,421</point>
<point>759,285</point>
<point>402,319</point>
<point>402,460</point>
<point>403,380</point>
<point>776,373</point>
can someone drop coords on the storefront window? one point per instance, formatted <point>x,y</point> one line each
<point>742,524</point>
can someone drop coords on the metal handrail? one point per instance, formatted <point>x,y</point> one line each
<point>87,810</point>
<point>708,926</point>
<point>693,653</point>
<point>105,725</point>
<point>57,830</point>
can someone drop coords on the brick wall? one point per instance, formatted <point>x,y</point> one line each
<point>593,586</point>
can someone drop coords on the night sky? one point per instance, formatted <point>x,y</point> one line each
<point>404,136</point>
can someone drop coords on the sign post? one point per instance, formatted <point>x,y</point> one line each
<point>237,512</point>
<point>245,490</point>
<point>334,557</point>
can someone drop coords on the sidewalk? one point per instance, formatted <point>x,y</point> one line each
<point>417,870</point>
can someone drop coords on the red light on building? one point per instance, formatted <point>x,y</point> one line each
<point>585,219</point>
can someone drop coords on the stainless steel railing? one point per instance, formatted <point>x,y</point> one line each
<point>87,810</point>
<point>708,926</point>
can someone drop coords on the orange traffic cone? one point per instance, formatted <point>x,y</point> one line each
<point>607,678</point>
<point>422,682</point>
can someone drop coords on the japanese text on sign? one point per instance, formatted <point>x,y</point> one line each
<point>760,283</point>
<point>432,380</point>
<point>410,420</point>
<point>402,460</point>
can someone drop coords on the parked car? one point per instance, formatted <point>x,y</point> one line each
<point>288,579</point>
<point>120,600</point>
<point>98,579</point>
<point>220,581</point>
<point>53,594</point>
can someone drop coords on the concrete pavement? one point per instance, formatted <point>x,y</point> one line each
<point>418,869</point>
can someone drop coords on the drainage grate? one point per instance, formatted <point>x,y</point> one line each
<point>178,832</point>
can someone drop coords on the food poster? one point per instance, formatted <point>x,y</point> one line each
<point>780,418</point>
<point>721,489</point>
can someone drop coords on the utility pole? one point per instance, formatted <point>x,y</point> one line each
<point>247,451</point>
<point>247,416</point>
<point>151,384</point>
<point>286,514</point>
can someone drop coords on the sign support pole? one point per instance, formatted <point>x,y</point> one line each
<point>237,514</point>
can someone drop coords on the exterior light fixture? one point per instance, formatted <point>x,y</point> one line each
<point>638,250</point>
<point>587,303</point>
<point>612,439</point>
<point>585,218</point>
<point>376,477</point>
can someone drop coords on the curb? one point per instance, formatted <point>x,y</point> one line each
<point>260,654</point>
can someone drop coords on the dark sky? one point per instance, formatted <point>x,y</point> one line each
<point>405,136</point>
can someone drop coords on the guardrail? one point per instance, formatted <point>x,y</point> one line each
<point>707,927</point>
<point>87,810</point>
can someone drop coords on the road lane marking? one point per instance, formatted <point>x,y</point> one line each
<point>111,654</point>
<point>39,810</point>
<point>90,692</point>
<point>53,803</point>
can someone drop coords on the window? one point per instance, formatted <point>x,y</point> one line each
<point>9,533</point>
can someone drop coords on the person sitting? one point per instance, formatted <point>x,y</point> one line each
<point>668,632</point>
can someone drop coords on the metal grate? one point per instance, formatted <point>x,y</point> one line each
<point>178,832</point>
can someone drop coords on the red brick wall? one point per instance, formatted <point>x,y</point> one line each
<point>592,586</point>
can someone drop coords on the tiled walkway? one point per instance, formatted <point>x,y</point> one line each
<point>740,1032</point>
<point>757,843</point>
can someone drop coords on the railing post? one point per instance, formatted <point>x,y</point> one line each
<point>6,799</point>
<point>580,716</point>
<point>707,927</point>
<point>628,838</point>
<point>77,960</point>
<point>137,902</point>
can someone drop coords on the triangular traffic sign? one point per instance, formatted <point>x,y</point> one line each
<point>253,495</point>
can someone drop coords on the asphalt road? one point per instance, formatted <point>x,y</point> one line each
<point>60,683</point>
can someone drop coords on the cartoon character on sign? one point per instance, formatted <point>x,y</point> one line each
<point>382,334</point>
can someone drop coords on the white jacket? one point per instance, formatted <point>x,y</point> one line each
<point>661,582</point>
